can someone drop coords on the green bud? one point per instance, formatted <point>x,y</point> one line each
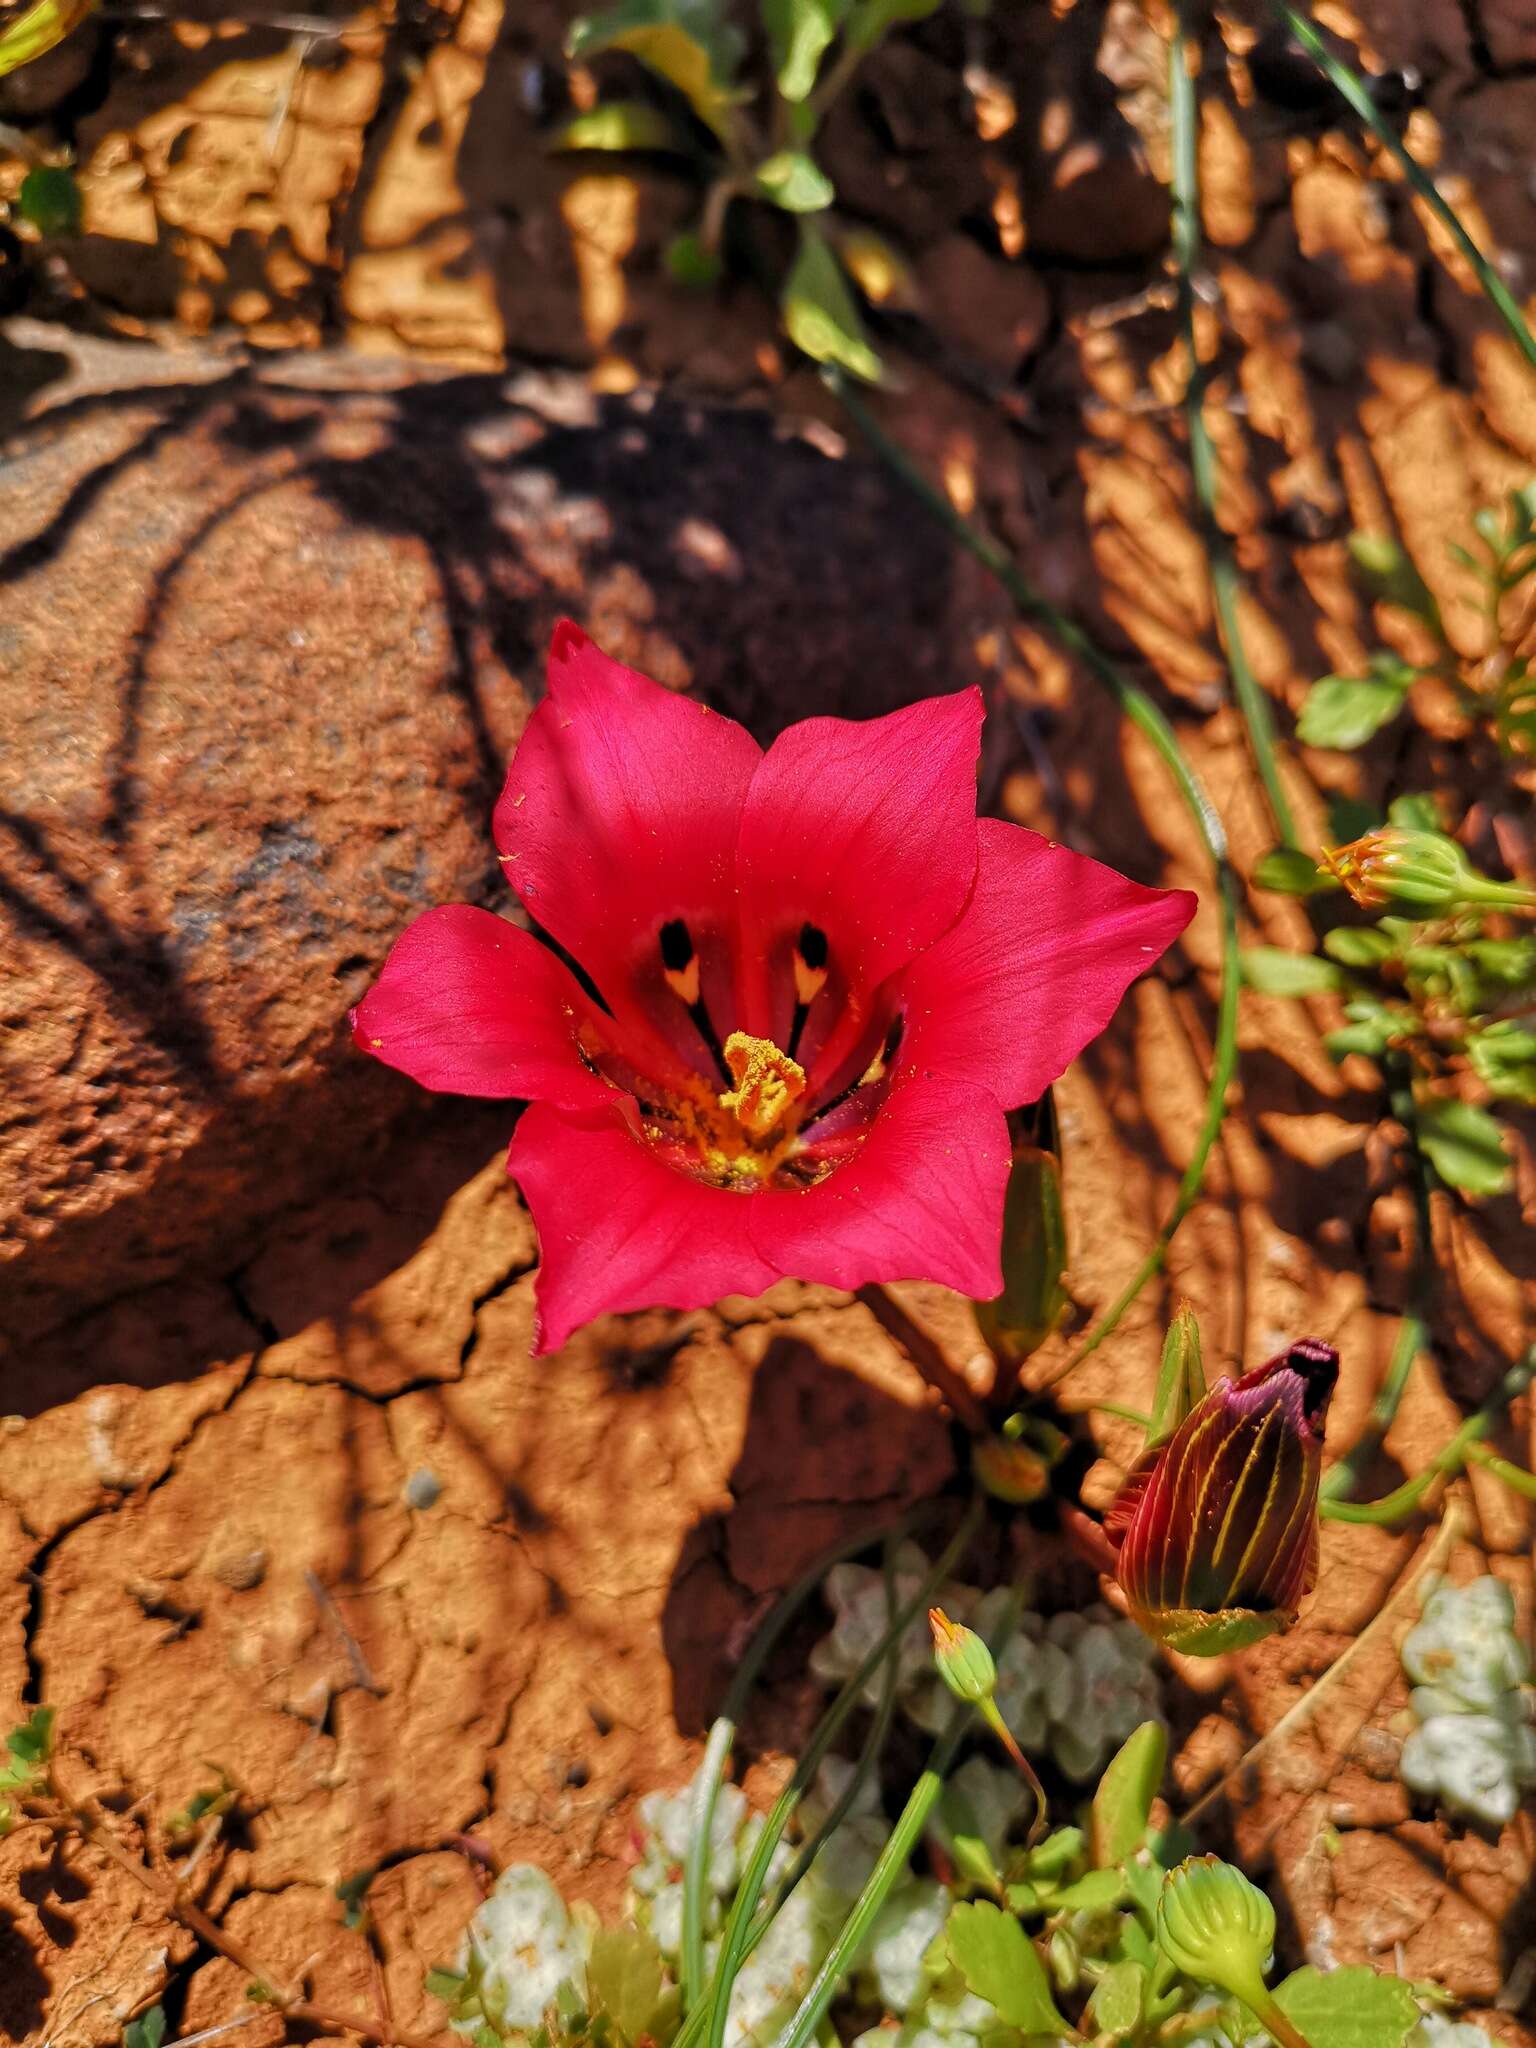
<point>1066,1960</point>
<point>1419,867</point>
<point>1217,1928</point>
<point>964,1661</point>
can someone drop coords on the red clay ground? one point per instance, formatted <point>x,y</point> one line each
<point>204,1495</point>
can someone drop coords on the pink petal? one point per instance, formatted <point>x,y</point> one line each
<point>922,1199</point>
<point>620,1230</point>
<point>1035,967</point>
<point>470,1004</point>
<point>621,810</point>
<point>867,831</point>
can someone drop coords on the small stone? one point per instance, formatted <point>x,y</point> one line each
<point>241,1570</point>
<point>423,1489</point>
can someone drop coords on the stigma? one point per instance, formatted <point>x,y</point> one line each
<point>768,1083</point>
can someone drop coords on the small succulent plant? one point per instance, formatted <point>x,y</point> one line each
<point>1473,1747</point>
<point>1071,1687</point>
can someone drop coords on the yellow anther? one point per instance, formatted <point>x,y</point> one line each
<point>767,1082</point>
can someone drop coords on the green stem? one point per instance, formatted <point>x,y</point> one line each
<point>887,1872</point>
<point>1397,1505</point>
<point>1225,585</point>
<point>1342,1479</point>
<point>1515,1477</point>
<point>701,1819</point>
<point>1286,2032</point>
<point>722,1734</point>
<point>740,1936</point>
<point>1350,88</point>
<point>1413,1331</point>
<point>1144,714</point>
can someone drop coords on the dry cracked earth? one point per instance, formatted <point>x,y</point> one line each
<point>282,1490</point>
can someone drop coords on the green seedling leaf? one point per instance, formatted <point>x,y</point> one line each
<point>690,261</point>
<point>872,20</point>
<point>147,2031</point>
<point>621,125</point>
<point>1465,1145</point>
<point>791,180</point>
<point>448,1985</point>
<point>1392,577</point>
<point>1271,971</point>
<point>626,1981</point>
<point>1352,2008</point>
<point>49,200</point>
<point>1122,1805</point>
<point>1034,1252</point>
<point>353,1894</point>
<point>1180,1382</point>
<point>819,314</point>
<point>684,42</point>
<point>37,29</point>
<point>1118,1997</point>
<point>1289,872</point>
<point>1416,812</point>
<point>799,33</point>
<point>1096,1891</point>
<point>1359,946</point>
<point>32,1742</point>
<point>1344,711</point>
<point>999,1963</point>
<point>1503,1057</point>
<point>1489,529</point>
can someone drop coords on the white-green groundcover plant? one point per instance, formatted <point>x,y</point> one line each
<point>1473,1746</point>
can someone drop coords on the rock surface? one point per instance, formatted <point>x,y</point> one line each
<point>277,639</point>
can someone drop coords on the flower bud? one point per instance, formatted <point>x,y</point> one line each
<point>1216,1927</point>
<point>1215,1531</point>
<point>1427,869</point>
<point>964,1661</point>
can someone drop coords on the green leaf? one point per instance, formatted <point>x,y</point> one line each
<point>1350,818</point>
<point>1504,1059</point>
<point>1271,971</point>
<point>1034,1253</point>
<point>793,181</point>
<point>49,200</point>
<point>445,1984</point>
<point>1415,812</point>
<point>32,1743</point>
<point>1116,2004</point>
<point>619,125</point>
<point>1122,1805</point>
<point>819,314</point>
<point>998,1962</point>
<point>872,20</point>
<point>1351,2008</point>
<point>626,1980</point>
<point>684,42</point>
<point>37,29</point>
<point>799,32</point>
<point>1392,577</point>
<point>1094,1892</point>
<point>1464,1144</point>
<point>1290,872</point>
<point>353,1894</point>
<point>1359,945</point>
<point>1344,711</point>
<point>690,261</point>
<point>147,2031</point>
<point>1180,1378</point>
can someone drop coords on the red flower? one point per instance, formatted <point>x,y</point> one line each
<point>822,981</point>
<point>1216,1529</point>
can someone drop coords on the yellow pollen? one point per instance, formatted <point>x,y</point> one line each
<point>767,1082</point>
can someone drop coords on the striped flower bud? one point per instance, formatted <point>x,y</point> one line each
<point>1215,1531</point>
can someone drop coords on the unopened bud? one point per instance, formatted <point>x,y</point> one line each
<point>1217,1928</point>
<point>964,1661</point>
<point>1426,869</point>
<point>1066,1960</point>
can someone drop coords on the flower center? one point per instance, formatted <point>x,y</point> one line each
<point>768,1083</point>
